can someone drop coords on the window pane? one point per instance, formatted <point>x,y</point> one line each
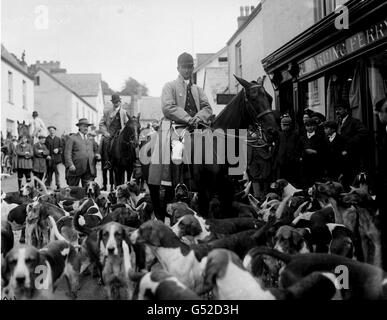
<point>378,77</point>
<point>24,94</point>
<point>314,95</point>
<point>10,86</point>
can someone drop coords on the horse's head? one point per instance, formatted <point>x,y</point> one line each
<point>23,129</point>
<point>132,128</point>
<point>258,105</point>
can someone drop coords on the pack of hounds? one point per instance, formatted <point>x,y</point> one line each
<point>287,247</point>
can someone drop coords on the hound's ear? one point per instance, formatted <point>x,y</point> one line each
<point>5,272</point>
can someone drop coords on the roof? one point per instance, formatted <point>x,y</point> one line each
<point>84,84</point>
<point>14,62</point>
<point>252,15</point>
<point>150,108</point>
<point>65,86</point>
<point>210,58</point>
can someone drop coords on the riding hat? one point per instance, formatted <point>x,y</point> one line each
<point>185,59</point>
<point>83,121</point>
<point>35,113</point>
<point>115,98</point>
<point>48,128</point>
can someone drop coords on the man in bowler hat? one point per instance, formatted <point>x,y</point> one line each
<point>112,122</point>
<point>80,156</point>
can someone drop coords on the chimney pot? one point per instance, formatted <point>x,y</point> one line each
<point>247,9</point>
<point>252,8</point>
<point>241,9</point>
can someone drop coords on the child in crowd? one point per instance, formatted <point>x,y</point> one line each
<point>313,154</point>
<point>24,154</point>
<point>40,154</point>
<point>335,151</point>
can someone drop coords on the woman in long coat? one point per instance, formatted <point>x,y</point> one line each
<point>40,154</point>
<point>24,153</point>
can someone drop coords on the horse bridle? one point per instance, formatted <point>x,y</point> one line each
<point>250,109</point>
<point>256,116</point>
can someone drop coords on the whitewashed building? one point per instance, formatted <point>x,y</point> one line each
<point>59,105</point>
<point>211,74</point>
<point>17,93</point>
<point>89,87</point>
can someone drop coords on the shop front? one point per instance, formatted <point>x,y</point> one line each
<point>325,67</point>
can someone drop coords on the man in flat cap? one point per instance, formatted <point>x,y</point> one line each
<point>55,148</point>
<point>112,122</point>
<point>80,156</point>
<point>184,106</point>
<point>335,151</point>
<point>288,152</point>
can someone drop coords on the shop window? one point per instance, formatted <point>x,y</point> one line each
<point>377,77</point>
<point>314,95</point>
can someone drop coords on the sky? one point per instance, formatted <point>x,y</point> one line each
<point>118,38</point>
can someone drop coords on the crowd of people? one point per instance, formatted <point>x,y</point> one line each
<point>39,154</point>
<point>317,150</point>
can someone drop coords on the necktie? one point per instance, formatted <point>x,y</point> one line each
<point>340,126</point>
<point>190,106</point>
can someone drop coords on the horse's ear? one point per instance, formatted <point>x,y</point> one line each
<point>18,122</point>
<point>24,122</point>
<point>245,84</point>
<point>138,116</point>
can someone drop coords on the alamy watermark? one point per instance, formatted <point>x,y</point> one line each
<point>208,147</point>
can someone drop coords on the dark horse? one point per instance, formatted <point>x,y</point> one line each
<point>24,130</point>
<point>251,106</point>
<point>123,150</point>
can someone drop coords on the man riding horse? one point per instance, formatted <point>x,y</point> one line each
<point>112,122</point>
<point>184,106</point>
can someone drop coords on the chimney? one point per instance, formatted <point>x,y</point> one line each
<point>242,18</point>
<point>252,9</point>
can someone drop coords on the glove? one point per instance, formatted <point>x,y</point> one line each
<point>194,122</point>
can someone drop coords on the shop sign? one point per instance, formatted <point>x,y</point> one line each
<point>344,48</point>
